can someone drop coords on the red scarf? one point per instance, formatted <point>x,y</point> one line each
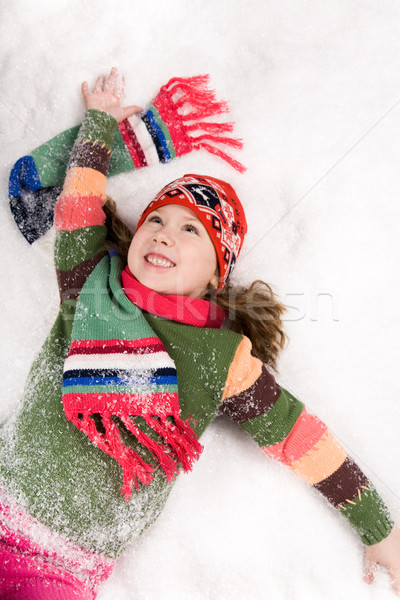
<point>184,309</point>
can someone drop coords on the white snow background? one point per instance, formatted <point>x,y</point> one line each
<point>314,89</point>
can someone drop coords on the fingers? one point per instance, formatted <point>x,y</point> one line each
<point>128,111</point>
<point>111,81</point>
<point>85,89</point>
<point>106,96</point>
<point>370,568</point>
<point>395,577</point>
<point>113,84</point>
<point>99,85</point>
<point>369,571</point>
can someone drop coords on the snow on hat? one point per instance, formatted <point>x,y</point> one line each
<point>219,209</point>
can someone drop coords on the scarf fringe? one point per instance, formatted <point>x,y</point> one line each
<point>180,437</point>
<point>181,446</point>
<point>193,101</point>
<point>211,127</point>
<point>157,450</point>
<point>235,143</point>
<point>194,91</point>
<point>226,157</point>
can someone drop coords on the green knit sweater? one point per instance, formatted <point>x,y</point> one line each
<point>60,478</point>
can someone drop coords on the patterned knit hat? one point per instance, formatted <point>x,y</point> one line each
<point>219,209</point>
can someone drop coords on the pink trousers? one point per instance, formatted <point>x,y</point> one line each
<point>24,577</point>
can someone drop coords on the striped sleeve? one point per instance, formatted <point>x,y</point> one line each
<point>289,433</point>
<point>79,217</point>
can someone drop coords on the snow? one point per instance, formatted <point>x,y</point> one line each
<point>314,90</point>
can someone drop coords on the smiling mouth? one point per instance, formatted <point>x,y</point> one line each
<point>157,261</point>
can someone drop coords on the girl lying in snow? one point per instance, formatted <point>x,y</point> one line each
<point>135,369</point>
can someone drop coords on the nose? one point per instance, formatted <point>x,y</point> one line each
<point>163,236</point>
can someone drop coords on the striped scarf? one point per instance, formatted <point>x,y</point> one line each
<point>112,384</point>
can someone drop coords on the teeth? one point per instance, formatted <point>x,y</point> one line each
<point>159,262</point>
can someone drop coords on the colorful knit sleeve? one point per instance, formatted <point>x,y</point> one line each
<point>176,122</point>
<point>288,432</point>
<point>79,217</point>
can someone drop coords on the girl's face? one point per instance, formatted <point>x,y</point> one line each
<point>172,253</point>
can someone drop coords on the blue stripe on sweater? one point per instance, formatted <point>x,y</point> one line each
<point>158,136</point>
<point>125,381</point>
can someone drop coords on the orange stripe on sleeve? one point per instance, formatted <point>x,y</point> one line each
<point>84,181</point>
<point>321,461</point>
<point>306,432</point>
<point>245,369</point>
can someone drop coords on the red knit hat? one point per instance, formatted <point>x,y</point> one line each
<point>219,209</point>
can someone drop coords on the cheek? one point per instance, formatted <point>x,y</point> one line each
<point>131,251</point>
<point>209,264</point>
<point>134,248</point>
<point>138,241</point>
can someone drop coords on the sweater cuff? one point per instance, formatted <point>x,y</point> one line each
<point>98,126</point>
<point>370,517</point>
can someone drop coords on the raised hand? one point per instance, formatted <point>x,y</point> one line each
<point>106,96</point>
<point>387,555</point>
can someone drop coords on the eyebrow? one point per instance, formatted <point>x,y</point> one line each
<point>194,218</point>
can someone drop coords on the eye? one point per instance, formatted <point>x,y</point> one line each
<point>191,229</point>
<point>154,219</point>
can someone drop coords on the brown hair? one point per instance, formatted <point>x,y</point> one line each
<point>254,311</point>
<point>119,235</point>
<point>257,313</point>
